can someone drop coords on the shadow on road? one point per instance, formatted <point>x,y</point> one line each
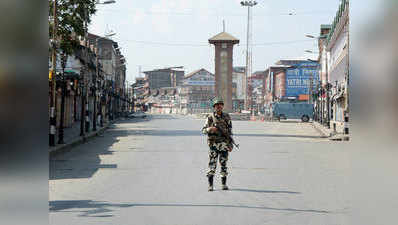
<point>84,160</point>
<point>292,121</point>
<point>174,133</point>
<point>133,120</point>
<point>166,116</point>
<point>277,135</point>
<point>157,132</point>
<point>265,191</point>
<point>92,208</point>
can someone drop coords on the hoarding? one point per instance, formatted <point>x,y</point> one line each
<point>300,78</point>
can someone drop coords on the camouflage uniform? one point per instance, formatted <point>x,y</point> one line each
<point>217,143</point>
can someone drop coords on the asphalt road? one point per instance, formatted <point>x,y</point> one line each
<point>152,172</point>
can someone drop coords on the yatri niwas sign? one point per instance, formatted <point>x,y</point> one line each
<point>300,78</point>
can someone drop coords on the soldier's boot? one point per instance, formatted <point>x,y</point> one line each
<point>224,183</point>
<point>210,178</point>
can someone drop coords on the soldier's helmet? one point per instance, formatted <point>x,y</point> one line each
<point>217,101</point>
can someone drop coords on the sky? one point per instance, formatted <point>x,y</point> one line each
<point>156,34</point>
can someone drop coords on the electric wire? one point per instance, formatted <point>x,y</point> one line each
<point>202,44</point>
<point>217,14</point>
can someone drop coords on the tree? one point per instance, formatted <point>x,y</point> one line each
<point>72,16</point>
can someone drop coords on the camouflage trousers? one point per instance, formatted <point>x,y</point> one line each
<point>218,151</point>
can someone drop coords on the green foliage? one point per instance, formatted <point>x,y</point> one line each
<point>72,17</point>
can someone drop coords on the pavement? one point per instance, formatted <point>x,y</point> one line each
<point>152,172</point>
<point>72,137</point>
<point>329,133</point>
<point>72,134</point>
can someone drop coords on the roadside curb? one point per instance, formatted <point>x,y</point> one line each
<point>321,130</point>
<point>340,137</point>
<point>68,146</point>
<point>327,133</point>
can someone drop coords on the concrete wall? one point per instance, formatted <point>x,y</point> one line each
<point>337,54</point>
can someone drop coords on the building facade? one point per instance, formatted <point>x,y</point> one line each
<point>337,66</point>
<point>197,92</point>
<point>168,77</point>
<point>171,77</point>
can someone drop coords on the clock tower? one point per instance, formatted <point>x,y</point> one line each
<point>223,43</point>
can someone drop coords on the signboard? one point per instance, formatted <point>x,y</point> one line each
<point>308,64</point>
<point>300,78</point>
<point>199,82</point>
<point>203,78</point>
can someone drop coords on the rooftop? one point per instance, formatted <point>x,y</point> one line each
<point>290,61</point>
<point>223,36</point>
<point>195,72</point>
<point>164,69</point>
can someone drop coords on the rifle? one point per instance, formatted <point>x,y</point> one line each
<point>228,137</point>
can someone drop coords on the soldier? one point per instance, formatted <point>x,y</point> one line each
<point>219,145</point>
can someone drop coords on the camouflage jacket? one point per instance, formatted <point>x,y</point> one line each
<point>224,122</point>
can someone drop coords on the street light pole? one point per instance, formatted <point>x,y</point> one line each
<point>63,87</point>
<point>249,4</point>
<point>53,121</point>
<point>84,120</point>
<point>82,102</point>
<point>327,94</point>
<point>247,59</point>
<point>94,76</point>
<point>95,88</point>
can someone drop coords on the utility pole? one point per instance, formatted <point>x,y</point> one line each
<point>127,95</point>
<point>247,58</point>
<point>53,121</point>
<point>87,124</point>
<point>84,120</point>
<point>82,71</point>
<point>95,86</point>
<point>310,89</point>
<point>347,78</point>
<point>99,116</point>
<point>64,58</point>
<point>327,95</point>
